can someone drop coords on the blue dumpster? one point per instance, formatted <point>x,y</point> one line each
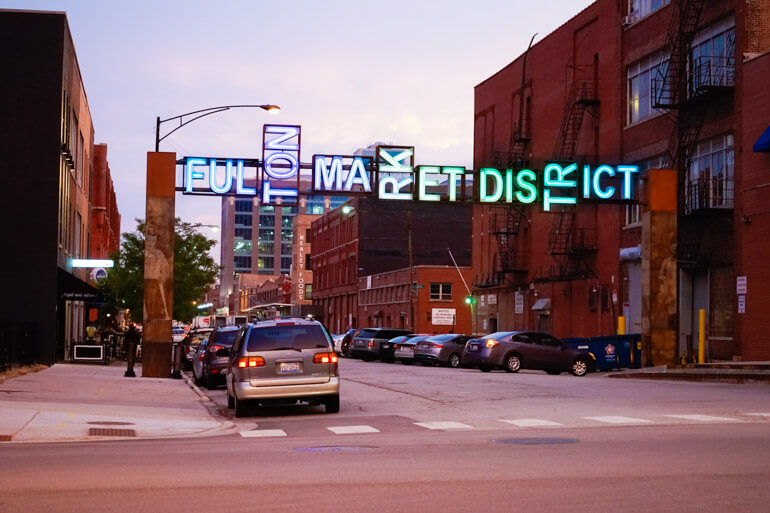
<point>611,351</point>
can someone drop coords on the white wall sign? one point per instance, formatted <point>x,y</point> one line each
<point>741,285</point>
<point>518,303</point>
<point>741,304</point>
<point>443,316</point>
<point>492,299</point>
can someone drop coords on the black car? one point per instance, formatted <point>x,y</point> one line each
<point>346,341</point>
<point>373,343</point>
<point>213,364</point>
<point>515,350</point>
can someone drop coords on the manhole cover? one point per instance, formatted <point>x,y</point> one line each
<point>111,432</point>
<point>335,448</point>
<point>536,441</point>
<point>110,423</point>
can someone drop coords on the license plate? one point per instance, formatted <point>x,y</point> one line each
<point>290,368</point>
<point>385,346</point>
<point>474,347</point>
<point>406,350</point>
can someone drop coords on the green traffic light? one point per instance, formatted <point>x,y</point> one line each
<point>469,300</point>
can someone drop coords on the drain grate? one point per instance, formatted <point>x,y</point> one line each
<point>110,423</point>
<point>111,432</point>
<point>335,448</point>
<point>536,441</point>
<point>5,438</point>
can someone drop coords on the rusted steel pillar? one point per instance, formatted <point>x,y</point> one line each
<point>158,265</point>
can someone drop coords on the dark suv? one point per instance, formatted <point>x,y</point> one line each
<point>282,361</point>
<point>213,363</point>
<point>373,343</point>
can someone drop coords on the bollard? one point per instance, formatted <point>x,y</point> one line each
<point>701,336</point>
<point>621,325</point>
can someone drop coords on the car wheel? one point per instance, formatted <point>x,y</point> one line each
<point>345,350</point>
<point>485,368</point>
<point>513,363</point>
<point>579,367</point>
<point>332,404</point>
<point>230,401</point>
<point>240,406</point>
<point>454,360</point>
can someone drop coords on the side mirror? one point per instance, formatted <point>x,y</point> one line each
<point>223,352</point>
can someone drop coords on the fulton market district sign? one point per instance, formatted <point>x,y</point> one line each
<point>390,174</point>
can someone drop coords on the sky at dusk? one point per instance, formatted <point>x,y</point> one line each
<point>349,72</point>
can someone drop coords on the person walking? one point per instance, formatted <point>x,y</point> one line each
<point>132,340</point>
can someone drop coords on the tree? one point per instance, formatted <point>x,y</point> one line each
<point>194,271</point>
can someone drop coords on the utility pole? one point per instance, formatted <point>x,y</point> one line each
<point>412,290</point>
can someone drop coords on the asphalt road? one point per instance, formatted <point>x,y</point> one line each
<point>516,442</point>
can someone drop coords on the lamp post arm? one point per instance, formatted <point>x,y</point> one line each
<point>201,113</point>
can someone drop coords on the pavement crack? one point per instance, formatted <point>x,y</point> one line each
<point>405,392</point>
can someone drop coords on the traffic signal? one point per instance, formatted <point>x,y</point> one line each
<point>469,300</point>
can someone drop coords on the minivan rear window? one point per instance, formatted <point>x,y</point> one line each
<point>225,338</point>
<point>273,338</point>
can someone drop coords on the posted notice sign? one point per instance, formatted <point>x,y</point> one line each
<point>443,316</point>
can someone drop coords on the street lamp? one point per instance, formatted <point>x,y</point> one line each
<point>202,113</point>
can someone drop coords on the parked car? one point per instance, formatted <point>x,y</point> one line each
<point>197,362</point>
<point>178,333</point>
<point>403,349</point>
<point>342,345</point>
<point>190,344</point>
<point>373,343</point>
<point>213,363</point>
<point>282,361</point>
<point>515,350</point>
<point>441,349</point>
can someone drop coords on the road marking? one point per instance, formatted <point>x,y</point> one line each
<point>531,422</point>
<point>619,420</point>
<point>443,425</point>
<point>759,414</point>
<point>702,418</point>
<point>262,433</point>
<point>349,430</point>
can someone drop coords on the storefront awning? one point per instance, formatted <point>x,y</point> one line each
<point>542,304</point>
<point>72,289</point>
<point>763,143</point>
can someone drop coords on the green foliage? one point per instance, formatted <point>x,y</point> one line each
<point>194,271</point>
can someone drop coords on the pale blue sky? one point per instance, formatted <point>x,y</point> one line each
<point>349,72</point>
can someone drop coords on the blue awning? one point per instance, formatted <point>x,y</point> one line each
<point>763,143</point>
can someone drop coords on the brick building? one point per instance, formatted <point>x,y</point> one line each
<point>372,237</point>
<point>655,84</point>
<point>52,187</point>
<point>105,218</point>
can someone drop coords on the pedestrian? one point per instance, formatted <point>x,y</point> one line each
<point>132,340</point>
<point>90,334</point>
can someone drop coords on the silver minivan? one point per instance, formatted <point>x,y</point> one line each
<point>282,361</point>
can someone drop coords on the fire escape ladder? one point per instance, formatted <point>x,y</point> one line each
<point>669,87</point>
<point>581,96</point>
<point>505,227</point>
<point>562,228</point>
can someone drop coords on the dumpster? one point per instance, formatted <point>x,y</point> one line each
<point>611,351</point>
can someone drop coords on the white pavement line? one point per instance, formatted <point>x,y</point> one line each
<point>262,433</point>
<point>703,418</point>
<point>443,425</point>
<point>759,414</point>
<point>619,420</point>
<point>531,422</point>
<point>349,430</point>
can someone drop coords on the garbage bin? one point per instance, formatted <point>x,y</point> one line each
<point>611,351</point>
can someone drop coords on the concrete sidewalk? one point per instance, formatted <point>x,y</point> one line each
<point>77,402</point>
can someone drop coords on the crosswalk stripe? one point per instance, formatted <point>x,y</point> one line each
<point>702,418</point>
<point>443,425</point>
<point>619,420</point>
<point>531,422</point>
<point>263,433</point>
<point>348,430</point>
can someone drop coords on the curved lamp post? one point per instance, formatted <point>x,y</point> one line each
<point>197,114</point>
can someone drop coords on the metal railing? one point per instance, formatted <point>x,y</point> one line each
<point>712,72</point>
<point>708,193</point>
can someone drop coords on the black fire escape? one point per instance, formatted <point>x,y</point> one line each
<point>683,89</point>
<point>570,246</point>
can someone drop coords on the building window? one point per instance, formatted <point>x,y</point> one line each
<point>638,9</point>
<point>266,235</point>
<point>287,235</point>
<point>242,247</point>
<point>266,263</point>
<point>242,263</point>
<point>286,221</point>
<point>266,220</point>
<point>285,264</point>
<point>243,219</point>
<point>243,233</point>
<point>713,57</point>
<point>710,181</point>
<point>641,75</point>
<point>243,205</point>
<point>315,205</point>
<point>308,291</point>
<point>266,247</point>
<point>440,291</point>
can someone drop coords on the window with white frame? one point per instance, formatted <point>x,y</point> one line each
<point>633,211</point>
<point>713,55</point>
<point>640,8</point>
<point>641,76</point>
<point>440,291</point>
<point>710,181</point>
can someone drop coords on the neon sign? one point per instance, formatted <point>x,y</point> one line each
<point>389,173</point>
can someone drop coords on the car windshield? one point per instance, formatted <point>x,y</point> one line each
<point>225,338</point>
<point>274,338</point>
